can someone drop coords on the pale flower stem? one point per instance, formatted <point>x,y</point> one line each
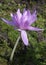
<point>12,54</point>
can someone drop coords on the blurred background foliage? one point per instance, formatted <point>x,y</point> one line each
<point>35,54</point>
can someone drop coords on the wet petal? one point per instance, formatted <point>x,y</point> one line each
<point>24,37</point>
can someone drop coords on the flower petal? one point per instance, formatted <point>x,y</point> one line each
<point>27,22</point>
<point>11,14</point>
<point>29,18</point>
<point>24,37</point>
<point>33,18</point>
<point>24,17</point>
<point>8,22</point>
<point>15,19</point>
<point>19,14</point>
<point>34,28</point>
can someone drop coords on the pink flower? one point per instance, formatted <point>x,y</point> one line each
<point>23,22</point>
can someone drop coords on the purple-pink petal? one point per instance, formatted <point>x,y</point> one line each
<point>24,17</point>
<point>8,22</point>
<point>15,19</point>
<point>32,17</point>
<point>24,37</point>
<point>19,14</point>
<point>27,22</point>
<point>33,28</point>
<point>28,17</point>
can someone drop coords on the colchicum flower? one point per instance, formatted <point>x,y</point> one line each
<point>23,22</point>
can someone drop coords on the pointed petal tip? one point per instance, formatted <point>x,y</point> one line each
<point>19,14</point>
<point>18,10</point>
<point>27,44</point>
<point>35,11</point>
<point>34,28</point>
<point>8,22</point>
<point>3,19</point>
<point>11,14</point>
<point>42,29</point>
